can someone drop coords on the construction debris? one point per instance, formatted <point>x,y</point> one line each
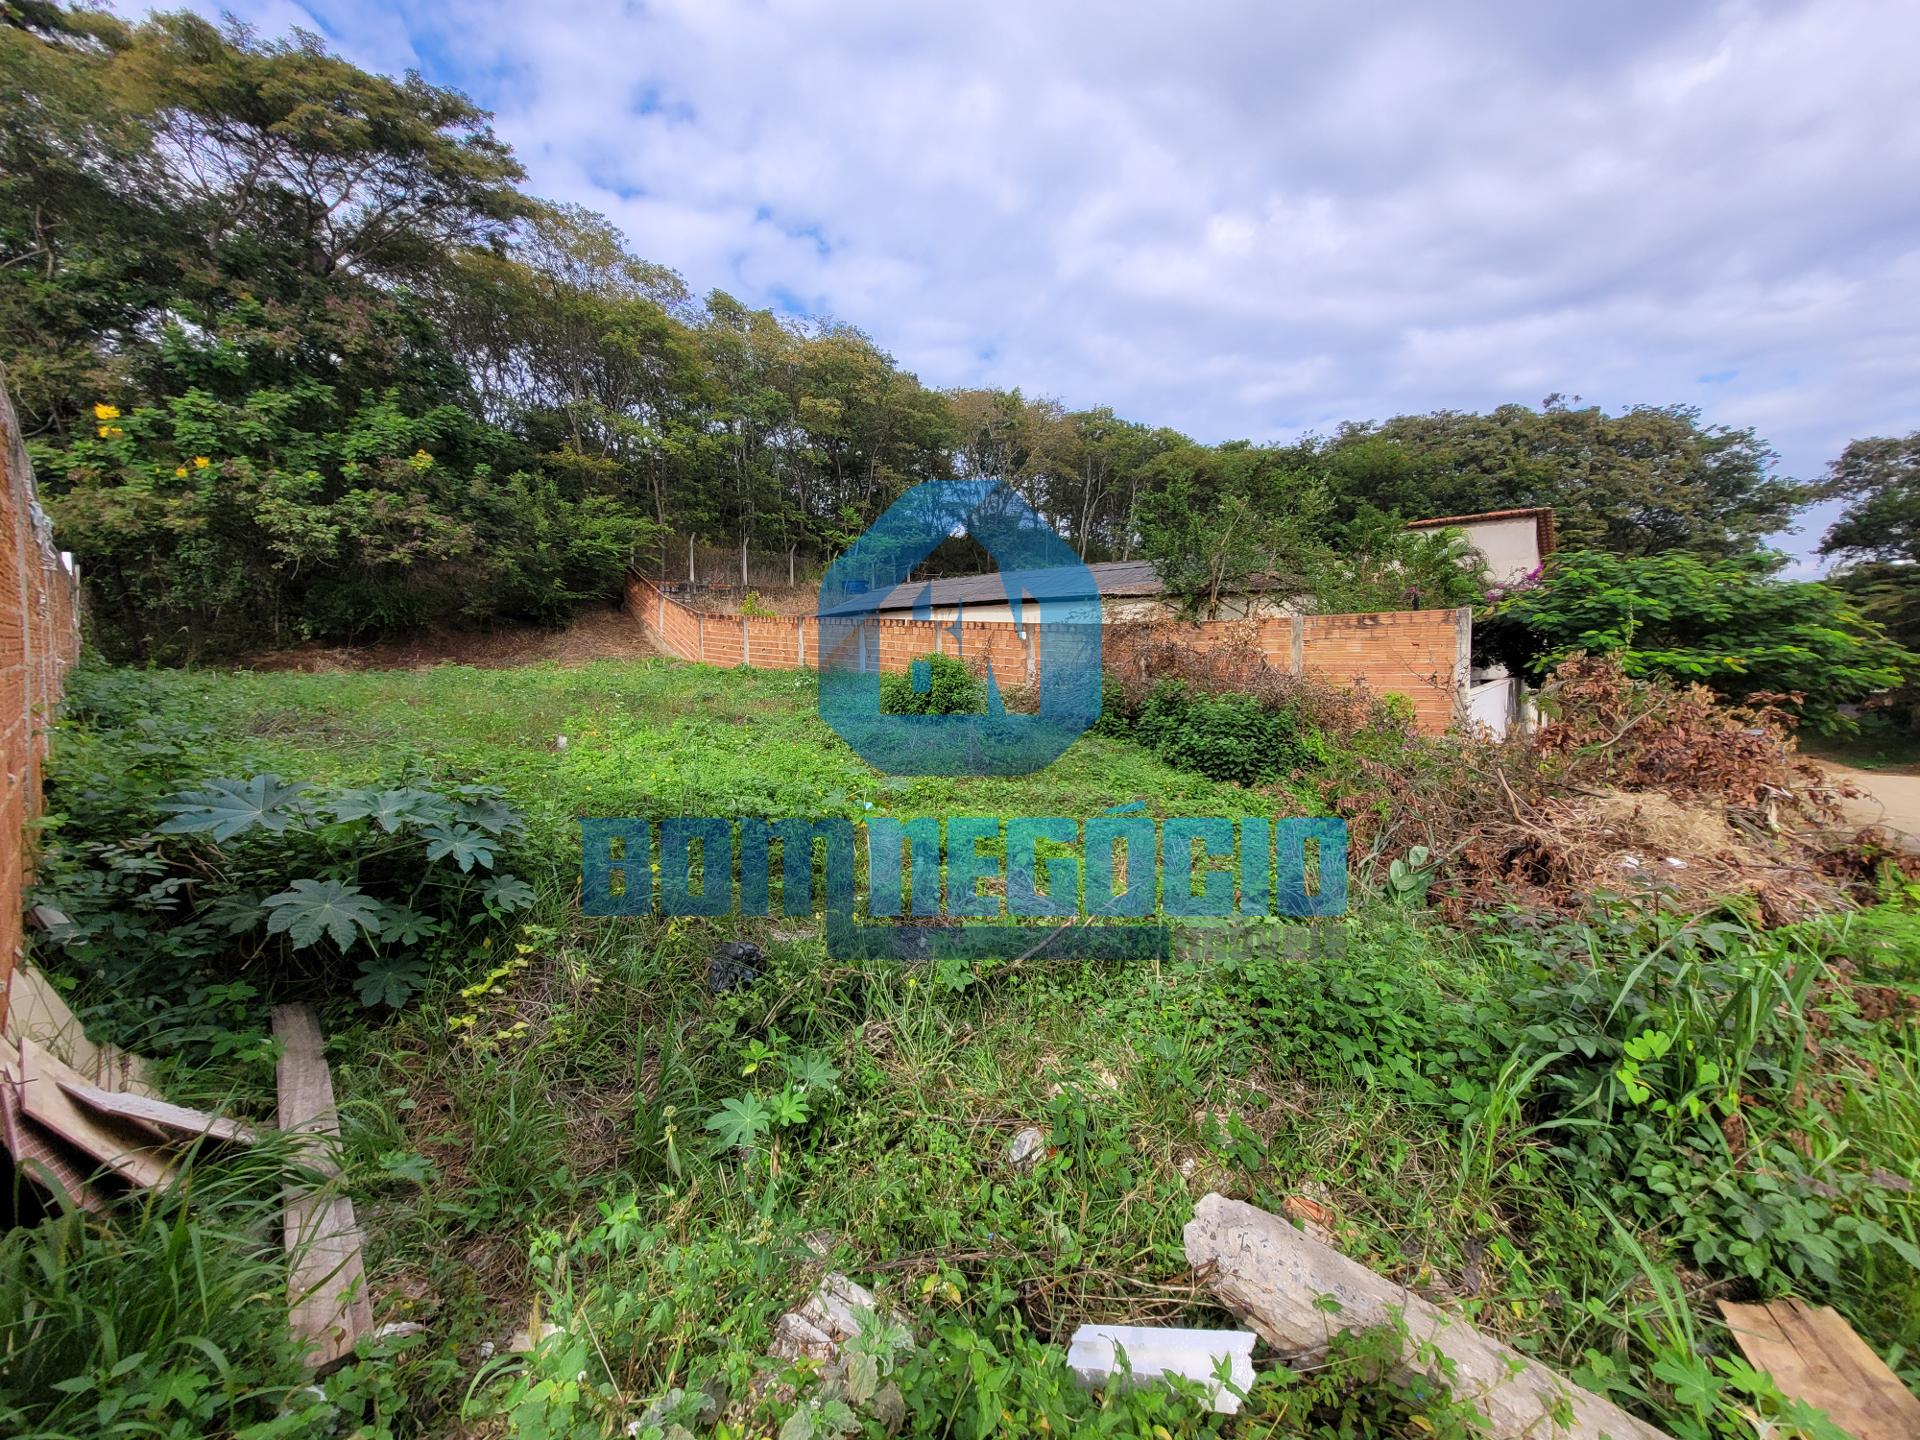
<point>1153,1352</point>
<point>525,1342</point>
<point>827,1321</point>
<point>831,1317</point>
<point>159,1114</point>
<point>36,1012</point>
<point>1027,1148</point>
<point>123,1147</point>
<point>48,1161</point>
<point>1814,1356</point>
<point>1313,1209</point>
<point>71,1108</point>
<point>330,1308</point>
<point>734,965</point>
<point>1297,1293</point>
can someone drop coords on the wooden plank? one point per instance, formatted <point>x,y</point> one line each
<point>49,1161</point>
<point>159,1113</point>
<point>114,1143</point>
<point>36,1011</point>
<point>1815,1356</point>
<point>329,1306</point>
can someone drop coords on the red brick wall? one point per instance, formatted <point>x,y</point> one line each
<point>1421,654</point>
<point>39,639</point>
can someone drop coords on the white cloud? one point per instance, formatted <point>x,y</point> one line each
<point>1255,219</point>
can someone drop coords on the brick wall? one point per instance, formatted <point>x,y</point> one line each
<point>1421,654</point>
<point>39,639</point>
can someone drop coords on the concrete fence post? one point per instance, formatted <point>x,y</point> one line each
<point>1463,660</point>
<point>1298,643</point>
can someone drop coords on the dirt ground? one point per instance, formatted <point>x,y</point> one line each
<point>1889,800</point>
<point>609,634</point>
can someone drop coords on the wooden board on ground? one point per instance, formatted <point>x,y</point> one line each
<point>125,1150</point>
<point>48,1160</point>
<point>1813,1355</point>
<point>36,1012</point>
<point>160,1114</point>
<point>330,1308</point>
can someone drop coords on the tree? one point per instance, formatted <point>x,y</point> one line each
<point>255,431</point>
<point>1220,520</point>
<point>298,356</point>
<point>1645,481</point>
<point>1729,624</point>
<point>1877,537</point>
<point>1880,481</point>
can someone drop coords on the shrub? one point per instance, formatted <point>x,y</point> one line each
<point>1728,624</point>
<point>935,685</point>
<point>1225,737</point>
<point>180,897</point>
<point>1678,1066</point>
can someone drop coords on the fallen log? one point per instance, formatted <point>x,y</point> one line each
<point>1297,1294</point>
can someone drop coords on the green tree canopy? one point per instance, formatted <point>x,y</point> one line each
<point>1646,480</point>
<point>1729,624</point>
<point>298,356</point>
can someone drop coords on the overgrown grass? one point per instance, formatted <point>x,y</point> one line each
<point>531,1139</point>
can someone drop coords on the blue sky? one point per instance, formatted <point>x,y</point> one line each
<point>1254,219</point>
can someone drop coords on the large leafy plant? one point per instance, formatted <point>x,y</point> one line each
<point>320,888</point>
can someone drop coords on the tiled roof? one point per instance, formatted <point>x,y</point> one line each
<point>1060,582</point>
<point>1541,515</point>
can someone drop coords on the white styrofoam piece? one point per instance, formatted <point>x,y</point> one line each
<point>1154,1351</point>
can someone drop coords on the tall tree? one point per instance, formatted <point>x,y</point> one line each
<point>1880,481</point>
<point>1877,539</point>
<point>1646,480</point>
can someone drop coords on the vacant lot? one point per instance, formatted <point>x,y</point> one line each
<point>1577,1133</point>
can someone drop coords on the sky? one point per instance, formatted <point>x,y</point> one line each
<point>1254,219</point>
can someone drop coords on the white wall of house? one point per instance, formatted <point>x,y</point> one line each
<point>1511,547</point>
<point>1495,705</point>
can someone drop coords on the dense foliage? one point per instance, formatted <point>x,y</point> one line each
<point>1877,540</point>
<point>299,357</point>
<point>187,890</point>
<point>1225,736</point>
<point>1728,624</point>
<point>1648,480</point>
<point>1220,522</point>
<point>934,685</point>
<point>1577,1132</point>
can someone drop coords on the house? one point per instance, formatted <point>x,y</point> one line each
<point>1512,542</point>
<point>1128,590</point>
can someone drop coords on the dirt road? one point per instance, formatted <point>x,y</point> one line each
<point>1887,799</point>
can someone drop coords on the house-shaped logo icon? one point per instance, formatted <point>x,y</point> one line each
<point>1054,628</point>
